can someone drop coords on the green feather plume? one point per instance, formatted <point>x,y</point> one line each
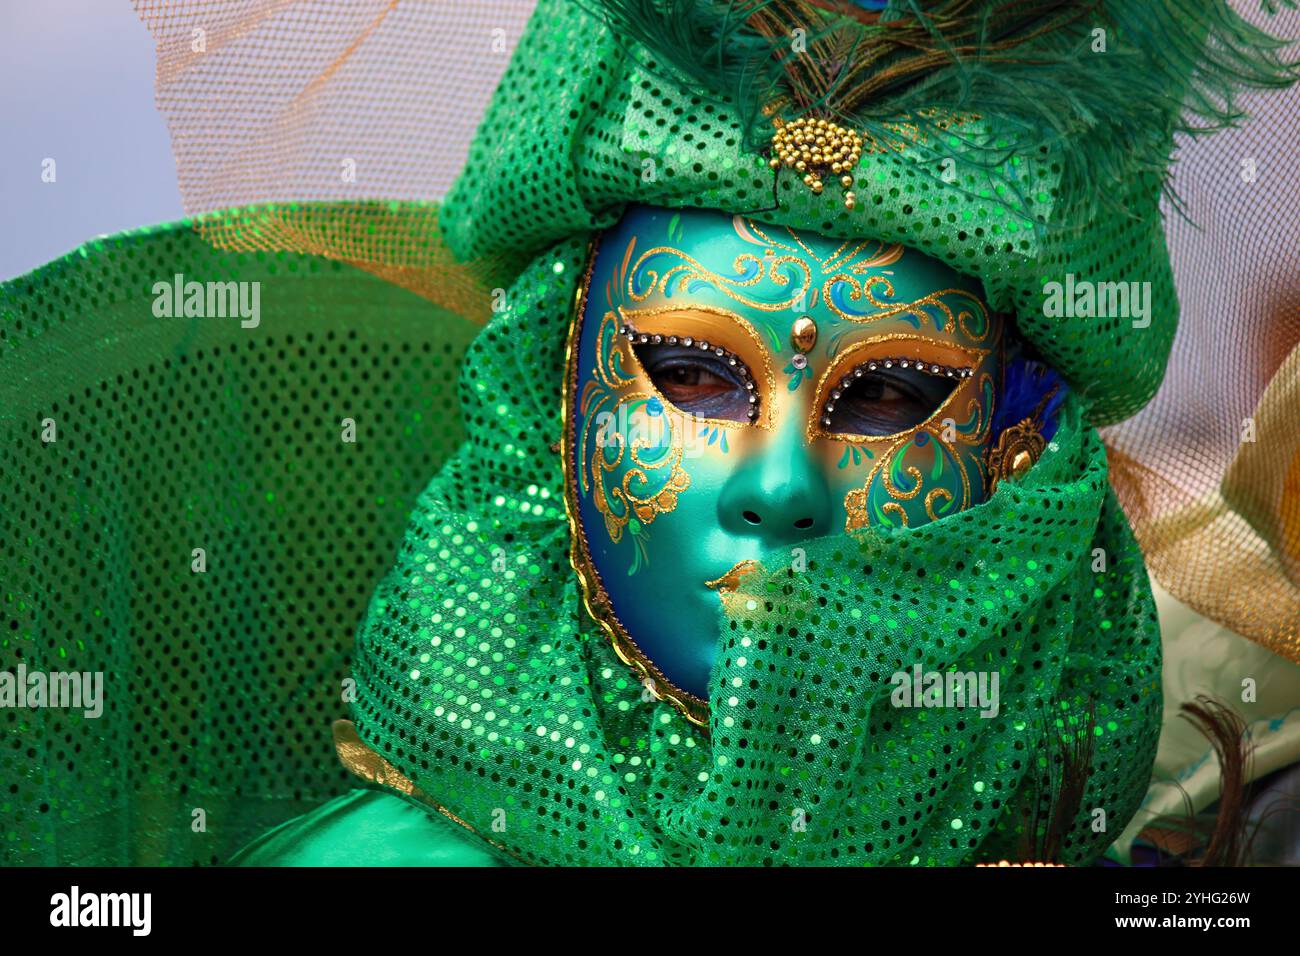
<point>1030,68</point>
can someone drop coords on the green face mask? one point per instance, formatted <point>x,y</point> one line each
<point>735,389</point>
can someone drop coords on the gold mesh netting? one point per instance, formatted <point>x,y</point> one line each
<point>1209,471</point>
<point>283,105</point>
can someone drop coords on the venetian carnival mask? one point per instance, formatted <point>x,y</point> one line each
<point>734,389</point>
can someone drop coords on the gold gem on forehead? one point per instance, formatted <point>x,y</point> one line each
<point>803,334</point>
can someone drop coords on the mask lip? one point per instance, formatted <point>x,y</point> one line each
<point>595,598</point>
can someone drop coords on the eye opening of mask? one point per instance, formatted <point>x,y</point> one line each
<point>924,388</point>
<point>732,396</point>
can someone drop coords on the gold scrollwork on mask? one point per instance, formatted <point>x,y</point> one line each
<point>750,269</point>
<point>796,265</point>
<point>856,501</point>
<point>960,308</point>
<point>611,419</point>
<point>944,441</point>
<point>594,596</point>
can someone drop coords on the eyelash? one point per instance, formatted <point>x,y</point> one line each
<point>930,368</point>
<point>731,358</point>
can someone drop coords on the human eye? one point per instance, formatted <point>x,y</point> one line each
<point>698,377</point>
<point>889,395</point>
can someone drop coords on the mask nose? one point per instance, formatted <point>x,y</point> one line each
<point>778,495</point>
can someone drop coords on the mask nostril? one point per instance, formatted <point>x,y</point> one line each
<point>803,524</point>
<point>752,518</point>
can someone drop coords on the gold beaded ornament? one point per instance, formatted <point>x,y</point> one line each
<point>1002,863</point>
<point>816,147</point>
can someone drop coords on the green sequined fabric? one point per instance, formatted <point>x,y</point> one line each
<point>480,676</point>
<point>175,434</point>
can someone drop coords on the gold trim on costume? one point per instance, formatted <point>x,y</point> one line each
<point>369,767</point>
<point>1017,448</point>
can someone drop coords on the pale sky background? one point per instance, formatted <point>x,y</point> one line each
<point>76,85</point>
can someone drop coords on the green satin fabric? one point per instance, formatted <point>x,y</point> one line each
<point>366,828</point>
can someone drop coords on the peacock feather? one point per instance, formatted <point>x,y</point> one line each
<point>1103,84</point>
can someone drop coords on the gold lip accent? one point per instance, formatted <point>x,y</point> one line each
<point>730,581</point>
<point>728,586</point>
<point>595,599</point>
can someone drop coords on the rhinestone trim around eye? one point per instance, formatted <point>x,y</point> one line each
<point>930,368</point>
<point>731,358</point>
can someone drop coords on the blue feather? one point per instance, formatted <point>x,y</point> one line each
<point>1026,383</point>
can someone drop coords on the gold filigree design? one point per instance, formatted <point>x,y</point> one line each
<point>646,507</point>
<point>619,503</point>
<point>857,514</point>
<point>959,318</point>
<point>689,269</point>
<point>972,390</point>
<point>595,598</point>
<point>1019,446</point>
<point>894,492</point>
<point>855,257</point>
<point>1015,451</point>
<point>937,493</point>
<point>893,507</point>
<point>849,254</point>
<point>856,499</point>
